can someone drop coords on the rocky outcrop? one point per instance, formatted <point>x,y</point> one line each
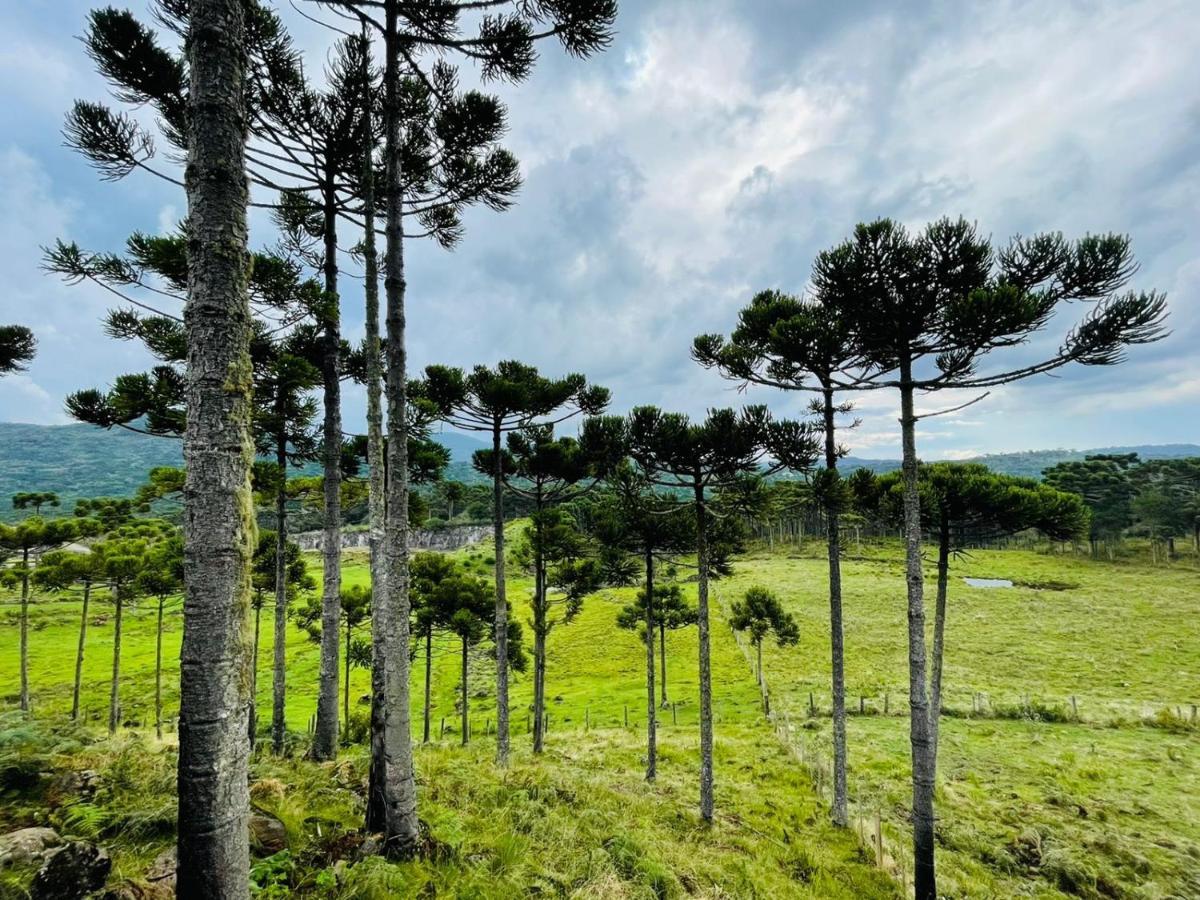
<point>28,845</point>
<point>74,871</point>
<point>450,538</point>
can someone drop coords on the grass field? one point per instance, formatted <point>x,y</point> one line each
<point>1036,797</point>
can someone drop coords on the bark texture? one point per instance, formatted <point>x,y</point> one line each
<point>706,722</point>
<point>651,711</point>
<point>279,651</point>
<point>83,620</point>
<point>466,718</point>
<point>219,528</point>
<point>939,635</point>
<point>919,735</point>
<point>114,696</point>
<point>325,734</point>
<point>158,718</point>
<point>392,803</point>
<point>25,630</point>
<point>501,634</point>
<point>839,813</point>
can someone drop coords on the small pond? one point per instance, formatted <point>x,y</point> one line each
<point>989,582</point>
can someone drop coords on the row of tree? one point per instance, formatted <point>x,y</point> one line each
<point>917,313</point>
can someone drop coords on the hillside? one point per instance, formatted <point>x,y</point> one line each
<point>1069,762</point>
<point>82,461</point>
<point>78,461</point>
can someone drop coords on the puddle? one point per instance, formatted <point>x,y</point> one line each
<point>989,582</point>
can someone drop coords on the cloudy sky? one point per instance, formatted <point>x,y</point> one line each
<point>710,153</point>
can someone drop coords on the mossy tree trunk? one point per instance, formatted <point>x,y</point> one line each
<point>218,522</point>
<point>279,625</point>
<point>392,799</point>
<point>114,691</point>
<point>325,734</point>
<point>83,623</point>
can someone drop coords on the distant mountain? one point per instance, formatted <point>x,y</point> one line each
<point>82,461</point>
<point>460,445</point>
<point>1031,463</point>
<point>78,461</point>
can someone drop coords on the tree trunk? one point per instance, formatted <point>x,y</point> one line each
<point>392,804</point>
<point>87,596</point>
<point>939,634</point>
<point>376,463</point>
<point>279,651</point>
<point>706,723</point>
<point>158,670</point>
<point>325,735</point>
<point>428,678</point>
<point>662,655</point>
<point>218,521</point>
<point>539,632</point>
<point>466,720</point>
<point>114,696</point>
<point>920,737</point>
<point>346,688</point>
<point>25,629</point>
<point>501,601</point>
<point>252,717</point>
<point>839,813</point>
<point>651,711</point>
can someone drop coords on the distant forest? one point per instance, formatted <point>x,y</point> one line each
<point>77,461</point>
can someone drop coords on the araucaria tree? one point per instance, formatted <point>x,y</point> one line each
<point>416,44</point>
<point>696,460</point>
<point>17,348</point>
<point>761,613</point>
<point>797,345</point>
<point>552,472</point>
<point>631,518</point>
<point>926,310</point>
<point>31,538</point>
<point>498,401</point>
<point>219,526</point>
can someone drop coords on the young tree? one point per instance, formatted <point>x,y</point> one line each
<point>797,345</point>
<point>761,613</point>
<point>964,504</point>
<point>467,609</point>
<point>925,311</point>
<point>31,538</point>
<point>632,520</point>
<point>498,401</point>
<point>551,472</point>
<point>697,460</point>
<point>671,612</point>
<point>427,573</point>
<point>161,577</point>
<point>61,571</point>
<point>18,346</point>
<point>354,612</point>
<point>265,577</point>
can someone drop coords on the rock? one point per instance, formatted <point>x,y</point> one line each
<point>267,835</point>
<point>29,845</point>
<point>72,873</point>
<point>138,890</point>
<point>162,870</point>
